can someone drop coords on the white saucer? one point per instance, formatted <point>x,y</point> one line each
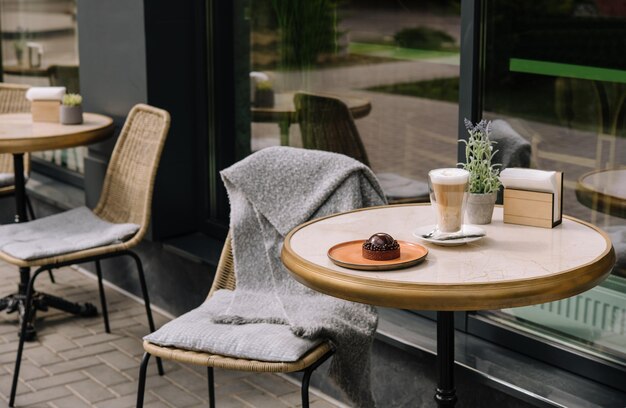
<point>466,230</point>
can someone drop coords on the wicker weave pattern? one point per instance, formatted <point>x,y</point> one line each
<point>127,191</point>
<point>13,100</point>
<point>225,279</point>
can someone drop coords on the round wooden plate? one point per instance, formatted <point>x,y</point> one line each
<point>349,255</point>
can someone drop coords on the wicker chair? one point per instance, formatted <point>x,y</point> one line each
<point>225,279</point>
<point>13,100</point>
<point>327,124</point>
<point>126,198</point>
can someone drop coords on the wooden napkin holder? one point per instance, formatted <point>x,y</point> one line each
<point>45,110</point>
<point>533,208</point>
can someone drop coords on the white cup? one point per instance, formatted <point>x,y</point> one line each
<point>448,195</point>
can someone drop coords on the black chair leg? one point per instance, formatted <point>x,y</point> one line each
<point>51,276</point>
<point>29,207</point>
<point>307,377</point>
<point>146,300</point>
<point>142,379</point>
<point>211,381</point>
<point>103,300</point>
<point>20,348</point>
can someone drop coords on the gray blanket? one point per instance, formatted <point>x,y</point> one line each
<point>271,192</point>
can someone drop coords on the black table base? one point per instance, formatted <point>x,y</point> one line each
<point>446,393</point>
<point>41,301</point>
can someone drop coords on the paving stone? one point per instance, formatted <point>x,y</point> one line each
<point>29,371</point>
<point>42,356</point>
<point>258,399</point>
<point>295,398</point>
<point>54,380</point>
<point>188,379</point>
<point>92,350</point>
<point>157,404</point>
<point>175,396</point>
<point>96,338</point>
<point>129,345</point>
<point>234,387</point>
<point>271,384</point>
<point>49,394</point>
<point>127,401</point>
<point>57,342</point>
<point>106,375</point>
<point>119,360</point>
<point>73,365</point>
<point>91,391</point>
<point>322,404</point>
<point>69,402</point>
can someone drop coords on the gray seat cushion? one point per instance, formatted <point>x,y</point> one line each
<point>195,330</point>
<point>7,179</point>
<point>397,186</point>
<point>62,233</point>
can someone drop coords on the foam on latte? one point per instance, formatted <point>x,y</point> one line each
<point>448,188</point>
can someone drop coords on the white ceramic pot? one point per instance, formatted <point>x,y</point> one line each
<point>480,207</point>
<point>71,115</point>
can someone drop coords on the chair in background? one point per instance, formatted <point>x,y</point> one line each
<point>327,124</point>
<point>13,100</point>
<point>126,198</point>
<point>65,75</point>
<point>225,279</point>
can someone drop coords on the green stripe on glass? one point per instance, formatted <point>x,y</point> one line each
<point>566,70</point>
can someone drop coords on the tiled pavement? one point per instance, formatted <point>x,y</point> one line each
<point>74,363</point>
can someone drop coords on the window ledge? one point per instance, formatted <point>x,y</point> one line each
<point>196,247</point>
<point>517,375</point>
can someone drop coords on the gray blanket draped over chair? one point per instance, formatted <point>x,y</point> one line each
<point>271,192</point>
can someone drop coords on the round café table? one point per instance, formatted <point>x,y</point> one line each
<point>511,266</point>
<point>19,135</point>
<point>284,112</point>
<point>604,191</point>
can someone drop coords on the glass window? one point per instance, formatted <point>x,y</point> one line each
<point>40,48</point>
<point>556,72</point>
<point>376,80</point>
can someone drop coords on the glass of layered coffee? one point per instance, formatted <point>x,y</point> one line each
<point>448,194</point>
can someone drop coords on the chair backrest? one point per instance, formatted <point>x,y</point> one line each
<point>327,124</point>
<point>127,191</point>
<point>13,100</point>
<point>225,273</point>
<point>65,75</point>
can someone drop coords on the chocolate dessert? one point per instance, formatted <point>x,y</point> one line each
<point>381,247</point>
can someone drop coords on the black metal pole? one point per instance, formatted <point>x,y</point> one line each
<point>20,210</point>
<point>446,393</point>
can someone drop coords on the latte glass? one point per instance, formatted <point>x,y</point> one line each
<point>448,195</point>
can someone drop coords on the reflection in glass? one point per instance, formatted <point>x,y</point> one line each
<point>382,60</point>
<point>40,48</point>
<point>556,72</point>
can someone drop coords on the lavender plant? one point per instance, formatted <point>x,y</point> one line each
<point>478,155</point>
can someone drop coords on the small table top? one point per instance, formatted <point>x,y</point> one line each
<point>284,109</point>
<point>18,133</point>
<point>25,70</point>
<point>604,190</point>
<point>512,266</point>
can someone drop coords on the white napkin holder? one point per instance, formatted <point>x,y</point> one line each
<point>534,208</point>
<point>45,103</point>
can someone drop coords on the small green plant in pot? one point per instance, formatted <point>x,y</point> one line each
<point>71,109</point>
<point>484,181</point>
<point>264,95</point>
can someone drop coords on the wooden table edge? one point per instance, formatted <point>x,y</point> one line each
<point>449,297</point>
<point>36,144</point>
<point>597,200</point>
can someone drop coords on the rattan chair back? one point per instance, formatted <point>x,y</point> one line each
<point>326,123</point>
<point>127,191</point>
<point>13,100</point>
<point>225,273</point>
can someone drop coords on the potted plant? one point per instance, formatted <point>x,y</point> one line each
<point>264,95</point>
<point>484,182</point>
<point>71,109</point>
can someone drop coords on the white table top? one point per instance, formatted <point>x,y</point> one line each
<point>608,182</point>
<point>513,265</point>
